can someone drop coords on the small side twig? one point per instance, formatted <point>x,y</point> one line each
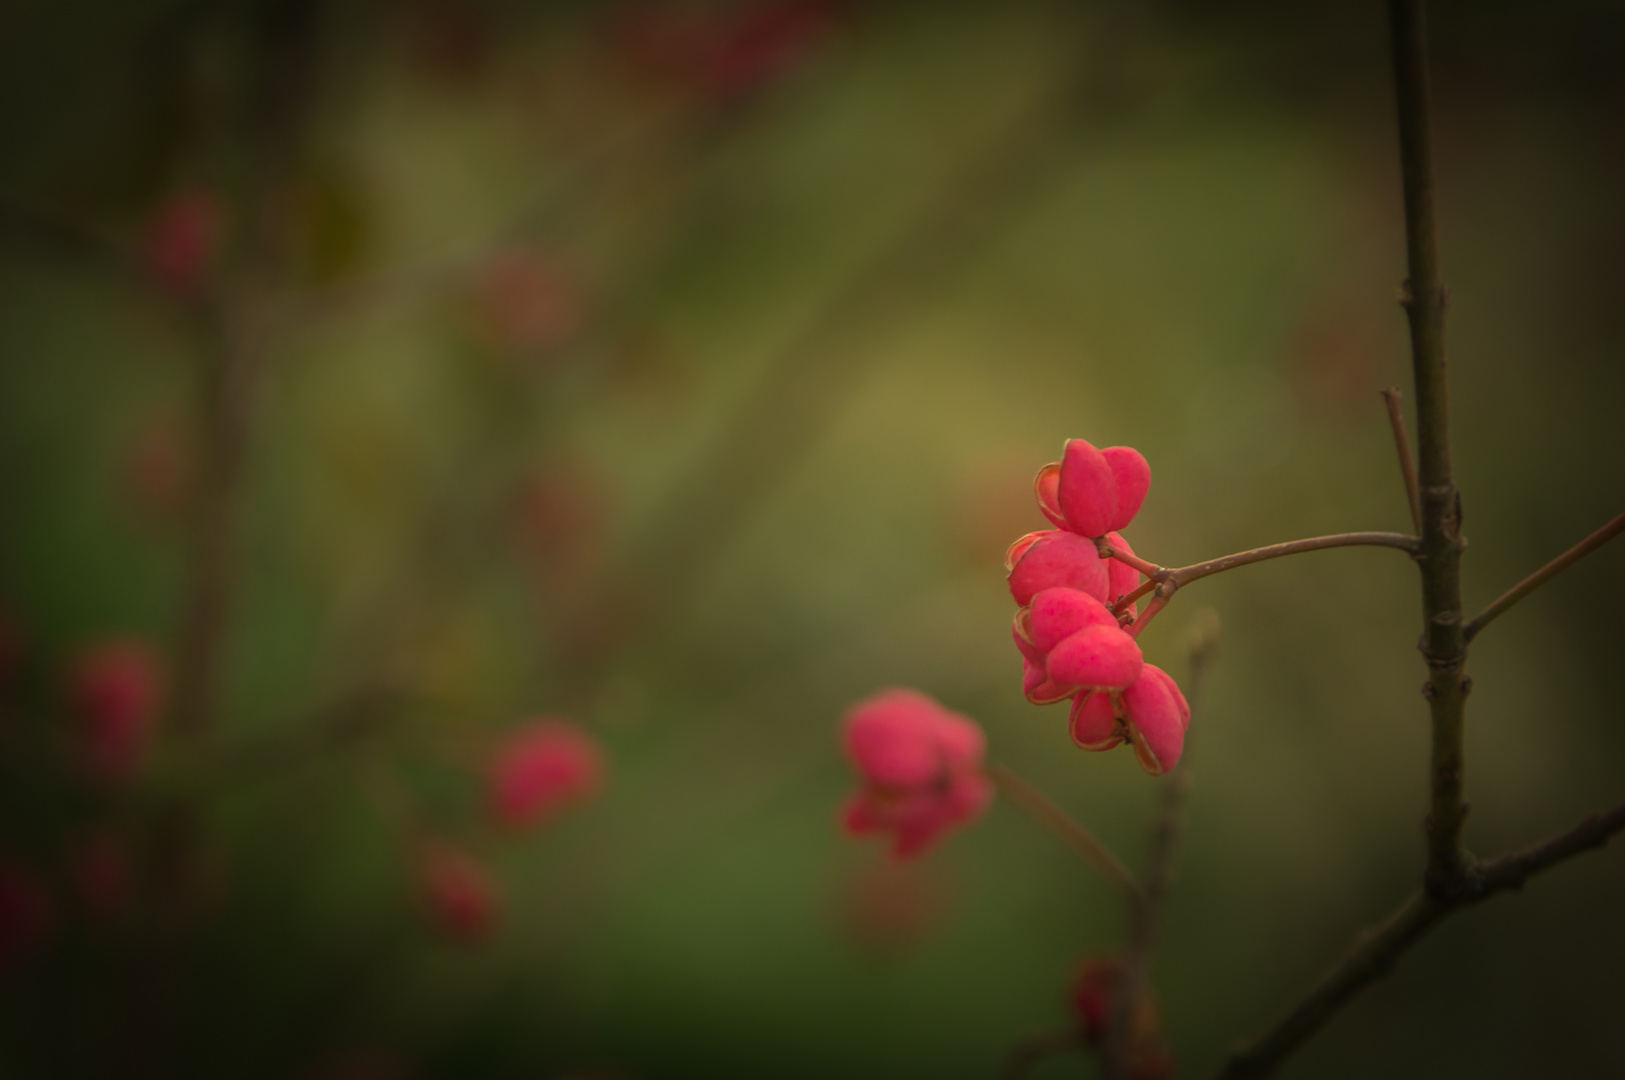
<point>1069,832</point>
<point>1543,575</point>
<point>1407,460</point>
<point>1376,951</point>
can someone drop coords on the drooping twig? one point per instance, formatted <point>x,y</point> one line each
<point>1407,460</point>
<point>1376,951</point>
<point>1069,832</point>
<point>1543,575</point>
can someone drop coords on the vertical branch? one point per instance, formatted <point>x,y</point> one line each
<point>231,324</point>
<point>232,329</point>
<point>1444,645</point>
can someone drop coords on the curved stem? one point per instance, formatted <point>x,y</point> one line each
<point>1158,576</point>
<point>1543,575</point>
<point>1187,574</point>
<point>1073,835</point>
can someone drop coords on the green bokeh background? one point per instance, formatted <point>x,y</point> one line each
<point>831,326</point>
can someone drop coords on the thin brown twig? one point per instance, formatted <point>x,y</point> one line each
<point>1167,831</point>
<point>1407,460</point>
<point>1375,951</point>
<point>1175,577</point>
<point>1067,829</point>
<point>1543,575</point>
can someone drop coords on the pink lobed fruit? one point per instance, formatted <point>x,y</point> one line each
<point>920,767</point>
<point>116,688</point>
<point>544,767</point>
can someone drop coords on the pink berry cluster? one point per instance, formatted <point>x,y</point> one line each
<point>536,771</point>
<point>921,769</point>
<point>1075,634</point>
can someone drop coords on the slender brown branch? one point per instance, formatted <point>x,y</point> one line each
<point>1543,575</point>
<point>1187,574</point>
<point>1444,645</point>
<point>1175,577</point>
<point>1407,461</point>
<point>1375,951</point>
<point>1066,828</point>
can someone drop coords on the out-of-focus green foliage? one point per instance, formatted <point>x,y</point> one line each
<point>694,405</point>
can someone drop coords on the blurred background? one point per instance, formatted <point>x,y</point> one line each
<point>376,378</point>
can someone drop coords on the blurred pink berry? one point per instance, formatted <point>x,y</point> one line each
<point>182,239</point>
<point>116,688</point>
<point>920,766</point>
<point>548,765</point>
<point>458,891</point>
<point>1152,715</point>
<point>1093,492</point>
<point>1093,995</point>
<point>26,916</point>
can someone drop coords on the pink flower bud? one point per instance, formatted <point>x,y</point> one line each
<point>116,688</point>
<point>458,892</point>
<point>920,766</point>
<point>1055,558</point>
<point>548,765</point>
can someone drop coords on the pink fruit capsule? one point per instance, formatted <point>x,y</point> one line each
<point>1101,657</point>
<point>1058,559</point>
<point>1087,490</point>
